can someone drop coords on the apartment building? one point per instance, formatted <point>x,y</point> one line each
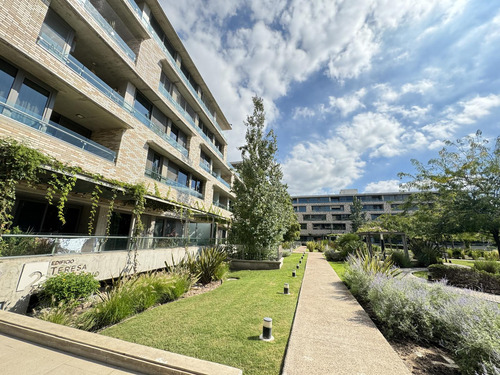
<point>107,86</point>
<point>323,215</point>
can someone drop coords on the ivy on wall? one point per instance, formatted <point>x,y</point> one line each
<point>20,163</point>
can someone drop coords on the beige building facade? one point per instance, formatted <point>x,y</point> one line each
<point>107,86</point>
<point>329,215</point>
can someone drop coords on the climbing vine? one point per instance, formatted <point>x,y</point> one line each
<point>20,163</point>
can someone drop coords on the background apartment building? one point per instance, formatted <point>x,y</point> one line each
<point>109,87</point>
<point>322,215</point>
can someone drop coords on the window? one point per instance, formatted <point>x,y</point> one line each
<point>159,119</point>
<point>32,98</point>
<point>303,226</point>
<point>320,208</point>
<point>165,82</point>
<point>314,217</point>
<point>161,35</point>
<point>7,76</point>
<point>178,135</point>
<point>373,207</point>
<point>197,184</point>
<point>176,174</point>
<point>346,199</point>
<point>56,32</point>
<point>299,208</point>
<point>143,105</point>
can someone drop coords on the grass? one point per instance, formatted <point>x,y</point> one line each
<point>223,325</point>
<point>421,274</point>
<point>462,262</point>
<point>339,268</point>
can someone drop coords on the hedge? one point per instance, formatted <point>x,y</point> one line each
<point>465,277</point>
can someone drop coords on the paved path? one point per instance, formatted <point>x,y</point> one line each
<point>332,334</point>
<point>22,357</point>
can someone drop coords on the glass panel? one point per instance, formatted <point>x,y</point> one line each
<point>182,178</point>
<point>172,172</point>
<point>7,76</point>
<point>165,82</point>
<point>196,185</point>
<point>159,119</point>
<point>56,30</point>
<point>156,163</point>
<point>143,105</point>
<point>32,98</point>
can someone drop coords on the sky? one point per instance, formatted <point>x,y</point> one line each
<point>353,89</point>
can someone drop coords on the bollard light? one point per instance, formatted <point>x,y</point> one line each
<point>298,266</point>
<point>286,289</point>
<point>300,261</point>
<point>294,274</point>
<point>267,330</point>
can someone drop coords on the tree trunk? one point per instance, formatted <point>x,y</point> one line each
<point>496,236</point>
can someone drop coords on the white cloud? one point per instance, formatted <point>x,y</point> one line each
<point>475,108</point>
<point>420,87</point>
<point>283,42</point>
<point>387,186</point>
<point>303,112</point>
<point>348,104</point>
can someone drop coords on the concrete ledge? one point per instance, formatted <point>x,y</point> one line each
<point>108,350</point>
<point>241,264</point>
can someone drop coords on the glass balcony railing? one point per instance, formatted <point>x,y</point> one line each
<point>107,28</point>
<point>186,115</point>
<point>182,188</point>
<point>57,131</point>
<point>220,179</point>
<point>45,42</point>
<point>206,166</point>
<point>221,205</point>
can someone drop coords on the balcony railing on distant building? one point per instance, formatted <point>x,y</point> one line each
<point>57,131</point>
<point>182,188</point>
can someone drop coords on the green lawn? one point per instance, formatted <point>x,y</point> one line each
<point>469,263</point>
<point>421,274</point>
<point>339,268</point>
<point>223,325</point>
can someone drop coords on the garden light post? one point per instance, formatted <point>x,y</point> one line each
<point>267,330</point>
<point>286,289</point>
<point>294,274</point>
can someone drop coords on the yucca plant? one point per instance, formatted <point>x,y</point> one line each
<point>372,265</point>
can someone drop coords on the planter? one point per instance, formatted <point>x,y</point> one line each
<point>241,264</point>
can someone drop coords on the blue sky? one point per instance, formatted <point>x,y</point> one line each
<point>354,89</point>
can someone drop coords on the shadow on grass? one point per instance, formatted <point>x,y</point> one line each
<point>253,338</point>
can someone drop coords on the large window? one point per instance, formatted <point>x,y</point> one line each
<point>176,174</point>
<point>56,32</point>
<point>32,98</point>
<point>299,208</point>
<point>7,76</point>
<point>178,135</point>
<point>161,35</point>
<point>197,184</point>
<point>143,105</point>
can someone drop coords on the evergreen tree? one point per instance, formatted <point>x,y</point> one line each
<point>357,216</point>
<point>262,206</point>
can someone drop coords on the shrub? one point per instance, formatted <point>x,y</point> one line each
<point>490,266</point>
<point>491,255</point>
<point>476,254</point>
<point>410,307</point>
<point>457,254</point>
<point>465,277</point>
<point>61,314</point>
<point>400,259</point>
<point>311,245</point>
<point>333,256</point>
<point>320,246</point>
<point>132,295</point>
<point>426,252</point>
<point>349,243</point>
<point>68,286</point>
<point>286,253</point>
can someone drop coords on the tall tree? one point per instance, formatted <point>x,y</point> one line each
<point>262,206</point>
<point>357,216</point>
<point>461,188</point>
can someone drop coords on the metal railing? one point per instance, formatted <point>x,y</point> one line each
<point>206,166</point>
<point>107,28</point>
<point>15,245</point>
<point>182,188</point>
<point>57,131</point>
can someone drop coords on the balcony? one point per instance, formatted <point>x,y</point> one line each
<point>94,13</point>
<point>221,205</point>
<point>220,179</point>
<point>182,188</point>
<point>206,166</point>
<point>57,131</point>
<point>46,43</point>
<point>186,115</point>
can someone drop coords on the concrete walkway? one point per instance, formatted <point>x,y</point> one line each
<point>22,357</point>
<point>332,334</point>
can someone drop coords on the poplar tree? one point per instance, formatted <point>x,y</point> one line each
<point>262,208</point>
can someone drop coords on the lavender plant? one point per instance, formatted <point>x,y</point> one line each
<point>469,327</point>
